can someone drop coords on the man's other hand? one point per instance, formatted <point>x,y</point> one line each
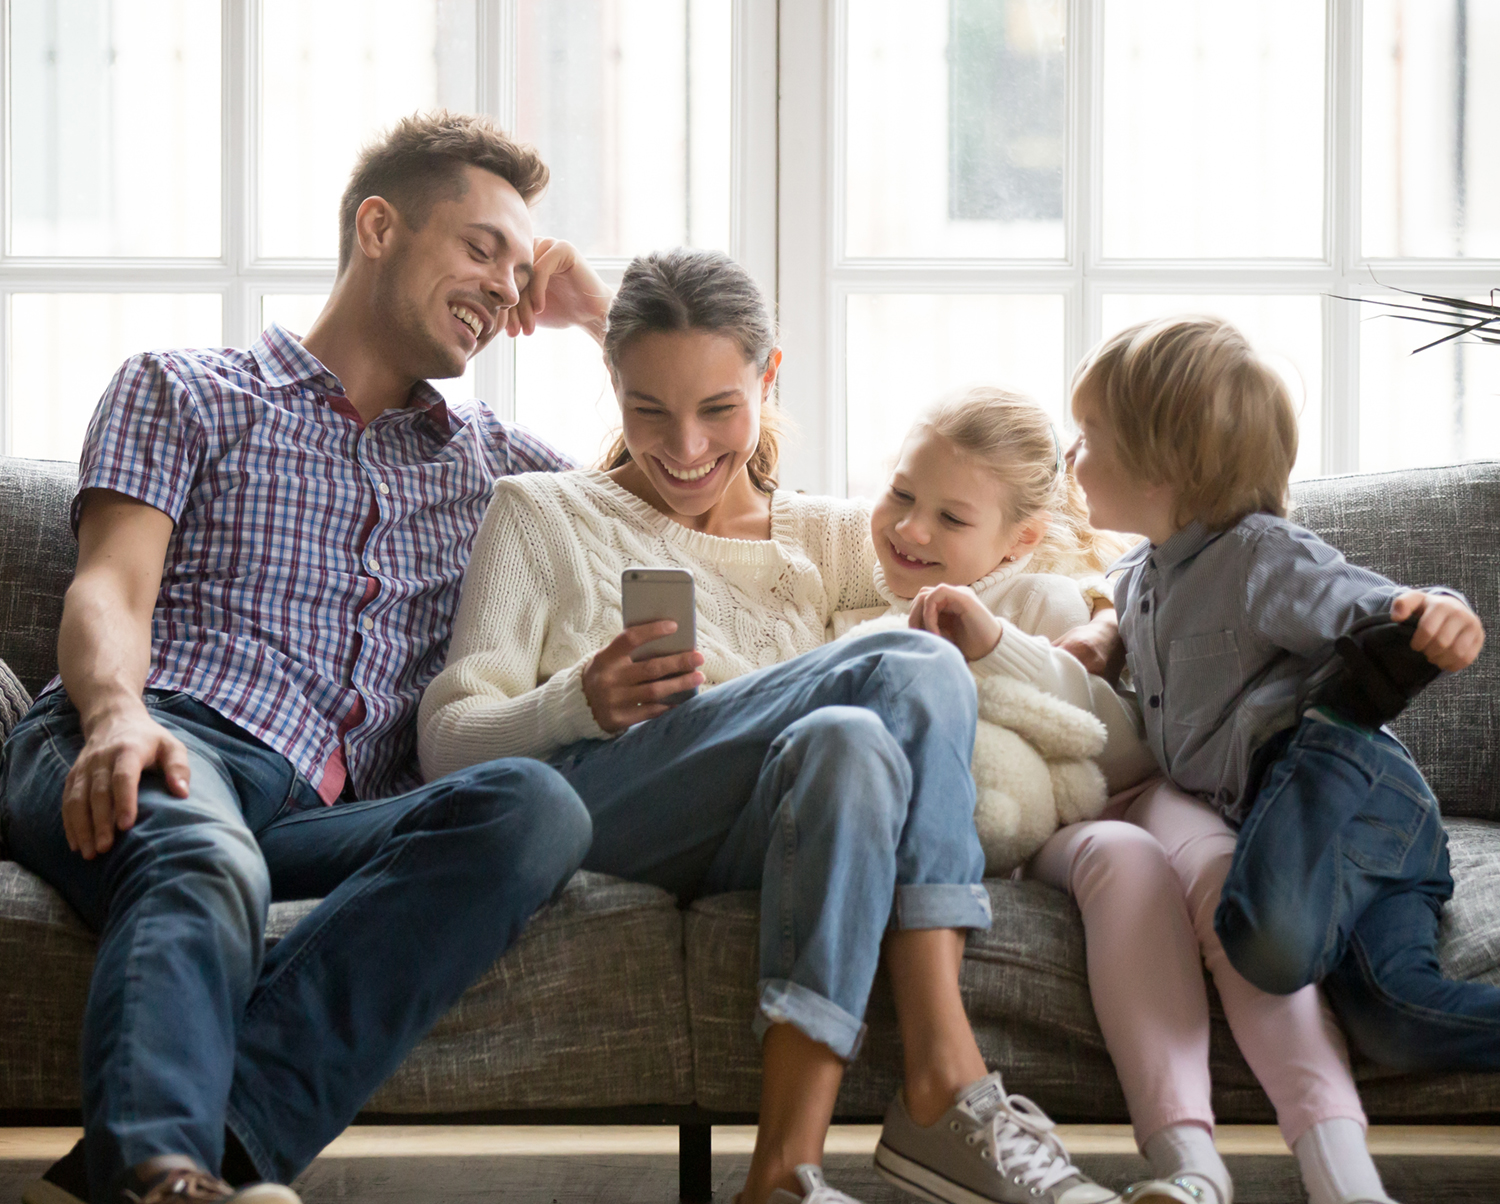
<point>563,291</point>
<point>101,790</point>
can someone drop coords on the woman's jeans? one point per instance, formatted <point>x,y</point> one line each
<point>836,784</point>
<point>1340,875</point>
<point>193,1024</point>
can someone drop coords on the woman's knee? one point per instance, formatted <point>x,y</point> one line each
<point>846,763</point>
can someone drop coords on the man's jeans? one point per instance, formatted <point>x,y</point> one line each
<point>836,784</point>
<point>191,1023</point>
<point>1340,876</point>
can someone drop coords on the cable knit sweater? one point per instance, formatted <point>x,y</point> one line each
<point>542,595</point>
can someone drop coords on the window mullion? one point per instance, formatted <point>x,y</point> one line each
<point>1342,239</point>
<point>240,89</point>
<point>495,82</point>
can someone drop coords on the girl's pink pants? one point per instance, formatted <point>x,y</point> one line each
<point>1147,882</point>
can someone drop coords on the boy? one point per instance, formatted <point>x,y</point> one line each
<point>1341,868</point>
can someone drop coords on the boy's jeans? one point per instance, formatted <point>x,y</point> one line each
<point>1340,875</point>
<point>836,784</point>
<point>191,1024</point>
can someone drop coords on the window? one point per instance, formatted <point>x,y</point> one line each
<point>982,189</point>
<point>173,170</point>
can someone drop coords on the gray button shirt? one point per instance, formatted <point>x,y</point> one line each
<point>1220,631</point>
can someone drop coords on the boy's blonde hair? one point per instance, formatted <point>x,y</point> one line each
<point>1012,436</point>
<point>1188,403</point>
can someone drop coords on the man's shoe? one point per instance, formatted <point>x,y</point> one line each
<point>66,1181</point>
<point>989,1148</point>
<point>814,1190</point>
<point>179,1180</point>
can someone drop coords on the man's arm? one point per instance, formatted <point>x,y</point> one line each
<point>103,652</point>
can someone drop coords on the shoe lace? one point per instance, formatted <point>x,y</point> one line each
<point>1025,1147</point>
<point>184,1185</point>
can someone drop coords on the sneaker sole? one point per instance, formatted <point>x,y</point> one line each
<point>925,1184</point>
<point>42,1192</point>
<point>266,1193</point>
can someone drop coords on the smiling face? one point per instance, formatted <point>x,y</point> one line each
<point>690,407</point>
<point>942,520</point>
<point>441,293</point>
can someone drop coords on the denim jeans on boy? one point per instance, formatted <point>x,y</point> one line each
<point>191,1024</point>
<point>1340,875</point>
<point>836,784</point>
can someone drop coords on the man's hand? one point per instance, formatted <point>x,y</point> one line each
<point>956,613</point>
<point>1097,645</point>
<point>622,692</point>
<point>99,794</point>
<point>563,291</point>
<point>1449,634</point>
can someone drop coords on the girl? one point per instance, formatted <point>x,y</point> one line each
<point>980,511</point>
<point>836,783</point>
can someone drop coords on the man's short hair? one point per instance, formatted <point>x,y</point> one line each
<point>421,160</point>
<point>1189,404</point>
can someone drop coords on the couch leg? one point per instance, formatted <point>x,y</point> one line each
<point>695,1181</point>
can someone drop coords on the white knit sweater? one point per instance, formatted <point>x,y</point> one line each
<point>542,595</point>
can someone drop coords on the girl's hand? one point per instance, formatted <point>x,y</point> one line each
<point>1449,634</point>
<point>956,613</point>
<point>622,692</point>
<point>564,290</point>
<point>1097,645</point>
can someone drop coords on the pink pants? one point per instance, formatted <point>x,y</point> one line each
<point>1147,883</point>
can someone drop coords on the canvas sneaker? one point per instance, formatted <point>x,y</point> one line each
<point>1183,1189</point>
<point>814,1190</point>
<point>989,1148</point>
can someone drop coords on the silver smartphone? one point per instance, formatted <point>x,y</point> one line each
<point>650,595</point>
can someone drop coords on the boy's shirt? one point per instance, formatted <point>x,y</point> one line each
<point>313,571</point>
<point>1221,629</point>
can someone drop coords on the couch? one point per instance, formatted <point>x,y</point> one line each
<point>617,1005</point>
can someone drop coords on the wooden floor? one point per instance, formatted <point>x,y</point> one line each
<point>627,1165</point>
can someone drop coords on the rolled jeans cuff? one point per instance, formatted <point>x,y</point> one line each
<point>941,905</point>
<point>784,1002</point>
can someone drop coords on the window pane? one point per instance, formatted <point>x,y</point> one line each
<point>1418,408</point>
<point>1213,128</point>
<point>114,127</point>
<point>564,395</point>
<point>296,313</point>
<point>56,377</point>
<point>905,351</point>
<point>1431,160</point>
<point>956,128</point>
<point>628,102</point>
<point>1286,331</point>
<point>331,81</point>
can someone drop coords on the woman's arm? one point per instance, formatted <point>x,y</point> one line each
<point>487,703</point>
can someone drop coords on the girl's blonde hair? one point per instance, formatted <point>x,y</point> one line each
<point>1012,436</point>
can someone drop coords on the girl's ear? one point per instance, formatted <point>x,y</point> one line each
<point>1030,534</point>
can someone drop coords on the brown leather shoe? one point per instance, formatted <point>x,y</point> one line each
<point>170,1180</point>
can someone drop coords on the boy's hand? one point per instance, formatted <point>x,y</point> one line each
<point>1449,634</point>
<point>956,613</point>
<point>1097,645</point>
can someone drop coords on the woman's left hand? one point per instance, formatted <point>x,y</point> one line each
<point>1097,645</point>
<point>956,613</point>
<point>563,291</point>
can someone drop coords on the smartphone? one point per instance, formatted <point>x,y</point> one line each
<point>650,595</point>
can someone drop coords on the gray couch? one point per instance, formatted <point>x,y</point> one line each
<point>619,1006</point>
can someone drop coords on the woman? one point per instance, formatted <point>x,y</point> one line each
<point>834,779</point>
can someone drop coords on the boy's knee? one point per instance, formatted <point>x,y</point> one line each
<point>1275,953</point>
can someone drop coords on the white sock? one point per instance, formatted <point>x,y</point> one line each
<point>1188,1149</point>
<point>1336,1164</point>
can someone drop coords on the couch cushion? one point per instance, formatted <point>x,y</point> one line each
<point>587,1009</point>
<point>1432,526</point>
<point>15,701</point>
<point>1025,987</point>
<point>37,554</point>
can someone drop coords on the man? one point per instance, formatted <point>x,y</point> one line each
<point>270,545</point>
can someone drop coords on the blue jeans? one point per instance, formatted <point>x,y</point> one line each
<point>191,1023</point>
<point>836,784</point>
<point>1340,876</point>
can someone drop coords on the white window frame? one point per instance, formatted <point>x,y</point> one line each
<point>242,277</point>
<point>817,277</point>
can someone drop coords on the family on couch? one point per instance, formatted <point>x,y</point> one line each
<point>332,638</point>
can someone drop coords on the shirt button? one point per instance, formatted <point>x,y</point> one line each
<point>383,487</point>
<point>1155,698</point>
<point>374,565</point>
<point>369,625</point>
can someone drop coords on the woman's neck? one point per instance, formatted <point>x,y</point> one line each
<point>742,511</point>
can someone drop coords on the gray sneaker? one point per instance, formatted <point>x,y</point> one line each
<point>814,1189</point>
<point>989,1148</point>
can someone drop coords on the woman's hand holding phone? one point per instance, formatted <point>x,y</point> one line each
<point>622,692</point>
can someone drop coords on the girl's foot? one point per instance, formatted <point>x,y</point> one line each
<point>814,1190</point>
<point>989,1146</point>
<point>1183,1189</point>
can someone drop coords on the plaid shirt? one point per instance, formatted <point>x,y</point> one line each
<point>313,573</point>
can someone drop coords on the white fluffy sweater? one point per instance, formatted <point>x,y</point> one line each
<point>542,595</point>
